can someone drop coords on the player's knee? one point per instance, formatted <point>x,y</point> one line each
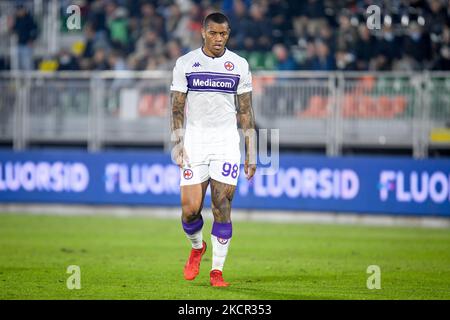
<point>221,203</point>
<point>191,208</point>
<point>221,209</point>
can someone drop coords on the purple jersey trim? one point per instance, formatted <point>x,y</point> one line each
<point>214,73</point>
<point>213,90</point>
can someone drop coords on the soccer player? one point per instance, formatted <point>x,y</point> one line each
<point>208,80</point>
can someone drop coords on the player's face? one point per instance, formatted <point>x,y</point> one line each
<point>216,36</point>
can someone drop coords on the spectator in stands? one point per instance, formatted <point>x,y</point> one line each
<point>315,34</point>
<point>417,44</point>
<point>283,57</point>
<point>117,25</point>
<point>134,9</point>
<point>173,52</point>
<point>405,63</point>
<point>280,17</point>
<point>417,4</point>
<point>380,63</point>
<point>228,5</point>
<point>173,20</point>
<point>26,30</point>
<point>150,43</point>
<point>67,62</point>
<point>442,62</point>
<point>345,61</point>
<point>299,25</point>
<point>346,34</point>
<point>325,33</point>
<point>99,61</point>
<point>437,16</point>
<point>192,34</point>
<point>97,18</point>
<point>313,9</point>
<point>151,63</point>
<point>389,48</point>
<point>116,61</point>
<point>134,32</point>
<point>365,49</point>
<point>323,60</point>
<point>3,65</point>
<point>308,56</point>
<point>187,25</point>
<point>258,31</point>
<point>239,19</point>
<point>89,41</point>
<point>152,20</point>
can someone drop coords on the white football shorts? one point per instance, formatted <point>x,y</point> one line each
<point>222,170</point>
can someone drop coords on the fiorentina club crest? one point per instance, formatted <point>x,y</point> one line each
<point>187,174</point>
<point>222,241</point>
<point>229,65</point>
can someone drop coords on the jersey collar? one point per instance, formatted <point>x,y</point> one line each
<point>214,57</point>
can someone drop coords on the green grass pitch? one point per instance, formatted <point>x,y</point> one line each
<point>143,258</point>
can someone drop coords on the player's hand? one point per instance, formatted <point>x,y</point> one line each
<point>182,158</point>
<point>249,170</point>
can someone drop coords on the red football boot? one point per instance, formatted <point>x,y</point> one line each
<point>192,267</point>
<point>217,279</point>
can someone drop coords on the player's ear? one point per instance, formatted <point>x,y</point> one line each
<point>203,33</point>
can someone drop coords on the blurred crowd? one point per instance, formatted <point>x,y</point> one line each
<point>271,34</point>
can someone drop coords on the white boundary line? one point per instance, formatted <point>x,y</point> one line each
<point>237,215</point>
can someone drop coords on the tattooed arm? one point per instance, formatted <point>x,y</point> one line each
<point>246,119</point>
<point>177,121</point>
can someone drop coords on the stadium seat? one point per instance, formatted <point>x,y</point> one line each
<point>153,105</point>
<point>316,108</point>
<point>270,61</point>
<point>256,60</point>
<point>242,53</point>
<point>358,106</point>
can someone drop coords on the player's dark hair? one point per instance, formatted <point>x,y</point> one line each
<point>216,17</point>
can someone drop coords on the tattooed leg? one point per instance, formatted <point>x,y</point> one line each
<point>192,197</point>
<point>191,205</point>
<point>221,197</point>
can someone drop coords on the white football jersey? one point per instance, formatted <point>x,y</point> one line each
<point>211,85</point>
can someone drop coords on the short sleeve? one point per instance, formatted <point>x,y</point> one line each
<point>179,82</point>
<point>245,82</point>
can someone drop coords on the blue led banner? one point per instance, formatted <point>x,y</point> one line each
<point>342,184</point>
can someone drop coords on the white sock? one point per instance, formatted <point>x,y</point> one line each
<point>196,239</point>
<point>220,250</point>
